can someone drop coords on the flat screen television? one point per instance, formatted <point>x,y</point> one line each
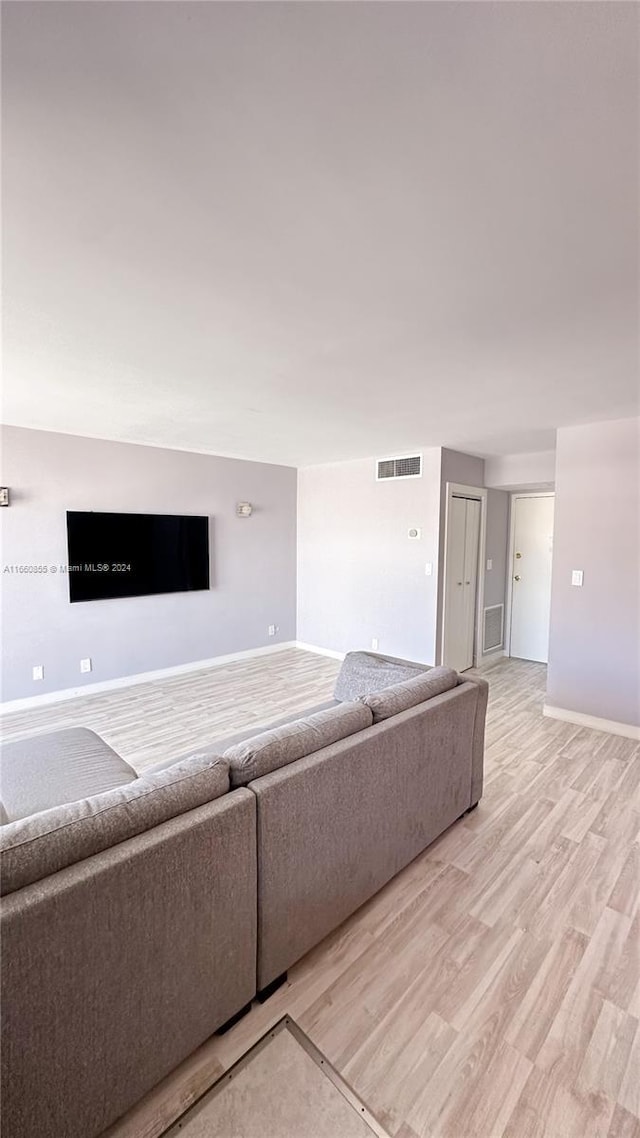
<point>135,555</point>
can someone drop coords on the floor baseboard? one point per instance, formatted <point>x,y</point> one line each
<point>490,659</point>
<point>628,730</point>
<point>319,651</point>
<point>63,694</point>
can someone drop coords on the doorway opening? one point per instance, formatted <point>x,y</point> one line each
<point>529,590</point>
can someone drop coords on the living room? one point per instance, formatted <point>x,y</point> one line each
<point>324,318</point>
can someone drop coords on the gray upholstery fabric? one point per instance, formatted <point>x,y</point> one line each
<point>291,717</point>
<point>128,939</point>
<point>336,826</point>
<point>220,745</point>
<point>283,745</point>
<point>364,672</point>
<point>203,753</point>
<point>33,847</point>
<point>401,661</point>
<point>58,767</point>
<point>477,778</point>
<point>399,697</point>
<point>116,969</point>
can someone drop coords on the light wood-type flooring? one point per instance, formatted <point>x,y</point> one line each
<point>152,721</point>
<point>493,988</point>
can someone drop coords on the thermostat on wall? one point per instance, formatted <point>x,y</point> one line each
<point>414,533</point>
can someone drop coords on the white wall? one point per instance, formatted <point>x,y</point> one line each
<point>498,506</point>
<point>359,575</point>
<point>519,471</point>
<point>253,561</point>
<point>594,647</point>
<point>495,579</point>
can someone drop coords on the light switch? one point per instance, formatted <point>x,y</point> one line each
<point>577,577</point>
<point>489,564</point>
<point>428,569</point>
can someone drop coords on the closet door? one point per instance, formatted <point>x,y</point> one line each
<point>463,534</point>
<point>470,579</point>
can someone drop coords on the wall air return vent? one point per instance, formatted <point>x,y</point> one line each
<point>493,626</point>
<point>408,466</point>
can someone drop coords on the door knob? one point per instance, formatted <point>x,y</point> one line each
<point>516,578</point>
<point>518,555</point>
<point>458,582</point>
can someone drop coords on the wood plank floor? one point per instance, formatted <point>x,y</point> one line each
<point>493,988</point>
<point>152,721</point>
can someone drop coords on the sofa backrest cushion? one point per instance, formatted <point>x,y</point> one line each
<point>219,746</point>
<point>400,697</point>
<point>280,746</point>
<point>363,672</point>
<point>33,847</point>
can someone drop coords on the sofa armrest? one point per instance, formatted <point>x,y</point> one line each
<point>477,771</point>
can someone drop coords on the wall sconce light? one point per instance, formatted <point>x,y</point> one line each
<point>4,495</point>
<point>244,509</point>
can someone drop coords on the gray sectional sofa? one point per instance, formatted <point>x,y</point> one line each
<point>139,920</point>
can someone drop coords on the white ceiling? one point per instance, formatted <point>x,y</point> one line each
<point>305,232</point>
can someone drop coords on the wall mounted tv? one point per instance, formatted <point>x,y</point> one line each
<point>135,555</point>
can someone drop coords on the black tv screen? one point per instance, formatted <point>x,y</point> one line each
<point>134,555</point>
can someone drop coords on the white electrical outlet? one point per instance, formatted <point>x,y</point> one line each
<point>85,665</point>
<point>428,569</point>
<point>272,629</point>
<point>374,643</point>
<point>577,577</point>
<point>38,672</point>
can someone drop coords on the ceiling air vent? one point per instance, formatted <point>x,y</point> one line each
<point>409,466</point>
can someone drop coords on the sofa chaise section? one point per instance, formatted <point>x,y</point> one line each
<point>57,767</point>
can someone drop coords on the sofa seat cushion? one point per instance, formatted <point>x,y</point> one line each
<point>34,847</point>
<point>364,672</point>
<point>58,767</point>
<point>400,697</point>
<point>219,746</point>
<point>279,746</point>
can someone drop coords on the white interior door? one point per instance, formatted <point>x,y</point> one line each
<point>463,532</point>
<point>531,558</point>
